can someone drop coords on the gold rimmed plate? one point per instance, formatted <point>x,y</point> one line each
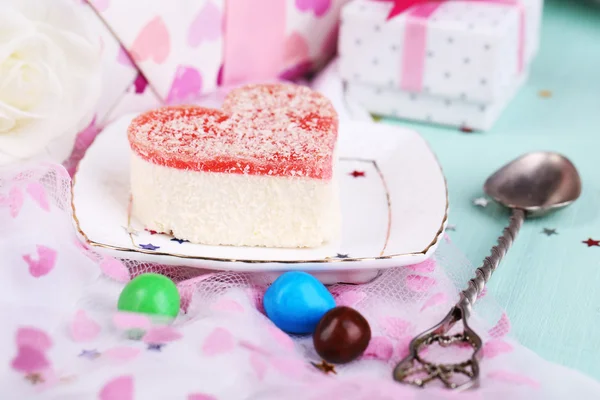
<point>393,197</point>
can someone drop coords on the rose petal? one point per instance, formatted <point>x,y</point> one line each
<point>83,328</point>
<point>219,341</point>
<point>34,338</point>
<point>161,334</point>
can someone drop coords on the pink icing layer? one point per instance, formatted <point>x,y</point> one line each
<point>267,129</point>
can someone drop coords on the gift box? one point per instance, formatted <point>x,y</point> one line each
<point>455,63</point>
<point>189,47</point>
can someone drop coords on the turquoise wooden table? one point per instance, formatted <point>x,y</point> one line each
<point>549,284</point>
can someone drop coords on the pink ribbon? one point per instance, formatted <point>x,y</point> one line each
<point>255,39</point>
<point>415,38</point>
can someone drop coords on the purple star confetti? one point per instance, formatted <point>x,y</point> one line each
<point>149,246</point>
<point>89,354</point>
<point>341,255</point>
<point>180,241</point>
<point>155,346</point>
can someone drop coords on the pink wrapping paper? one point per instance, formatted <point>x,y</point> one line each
<point>189,47</point>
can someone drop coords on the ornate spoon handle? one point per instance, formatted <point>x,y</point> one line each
<point>417,371</point>
<point>490,263</point>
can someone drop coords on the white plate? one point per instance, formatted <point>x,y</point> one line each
<point>394,211</point>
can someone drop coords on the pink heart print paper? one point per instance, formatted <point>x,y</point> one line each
<point>181,46</point>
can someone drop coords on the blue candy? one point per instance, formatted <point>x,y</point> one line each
<point>296,301</point>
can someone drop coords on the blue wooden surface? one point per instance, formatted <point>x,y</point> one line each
<point>549,285</point>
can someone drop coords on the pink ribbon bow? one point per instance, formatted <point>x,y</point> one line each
<point>415,37</point>
<point>402,5</point>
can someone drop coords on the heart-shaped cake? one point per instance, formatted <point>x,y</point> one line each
<point>258,172</point>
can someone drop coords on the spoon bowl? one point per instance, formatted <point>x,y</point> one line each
<point>536,182</point>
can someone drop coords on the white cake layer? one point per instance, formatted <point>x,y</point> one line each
<point>235,209</point>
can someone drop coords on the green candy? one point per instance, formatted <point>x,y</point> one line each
<point>152,294</point>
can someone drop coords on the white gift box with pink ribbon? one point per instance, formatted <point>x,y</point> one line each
<point>455,63</point>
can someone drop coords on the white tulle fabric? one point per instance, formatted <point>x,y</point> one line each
<point>62,338</point>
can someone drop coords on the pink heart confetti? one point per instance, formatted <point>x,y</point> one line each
<point>291,367</point>
<point>418,283</point>
<point>115,269</point>
<point>15,201</point>
<point>436,299</point>
<point>511,377</point>
<point>380,348</point>
<point>186,85</point>
<point>501,328</point>
<point>161,334</point>
<point>33,338</point>
<point>496,347</point>
<point>281,337</point>
<point>395,327</point>
<point>38,193</point>
<point>227,305</point>
<point>126,320</point>
<point>120,388</point>
<point>319,7</point>
<point>153,42</point>
<point>29,359</point>
<point>83,328</point>
<point>206,25</point>
<point>121,353</point>
<point>200,396</point>
<point>423,267</point>
<point>259,365</point>
<point>46,259</point>
<point>219,341</point>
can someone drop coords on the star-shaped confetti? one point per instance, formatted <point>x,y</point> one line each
<point>549,232</point>
<point>451,227</point>
<point>34,378</point>
<point>155,346</point>
<point>180,241</point>
<point>357,174</point>
<point>341,255</point>
<point>591,242</point>
<point>545,94</point>
<point>481,202</point>
<point>325,367</point>
<point>89,354</point>
<point>466,129</point>
<point>151,231</point>
<point>149,246</point>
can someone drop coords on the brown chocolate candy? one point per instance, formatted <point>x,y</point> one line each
<point>342,335</point>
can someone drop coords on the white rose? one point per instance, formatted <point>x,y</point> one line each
<point>49,78</point>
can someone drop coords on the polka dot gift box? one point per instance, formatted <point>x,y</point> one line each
<point>455,63</point>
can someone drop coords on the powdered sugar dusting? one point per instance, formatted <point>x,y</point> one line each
<point>263,129</point>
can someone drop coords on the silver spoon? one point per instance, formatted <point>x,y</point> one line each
<point>531,185</point>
